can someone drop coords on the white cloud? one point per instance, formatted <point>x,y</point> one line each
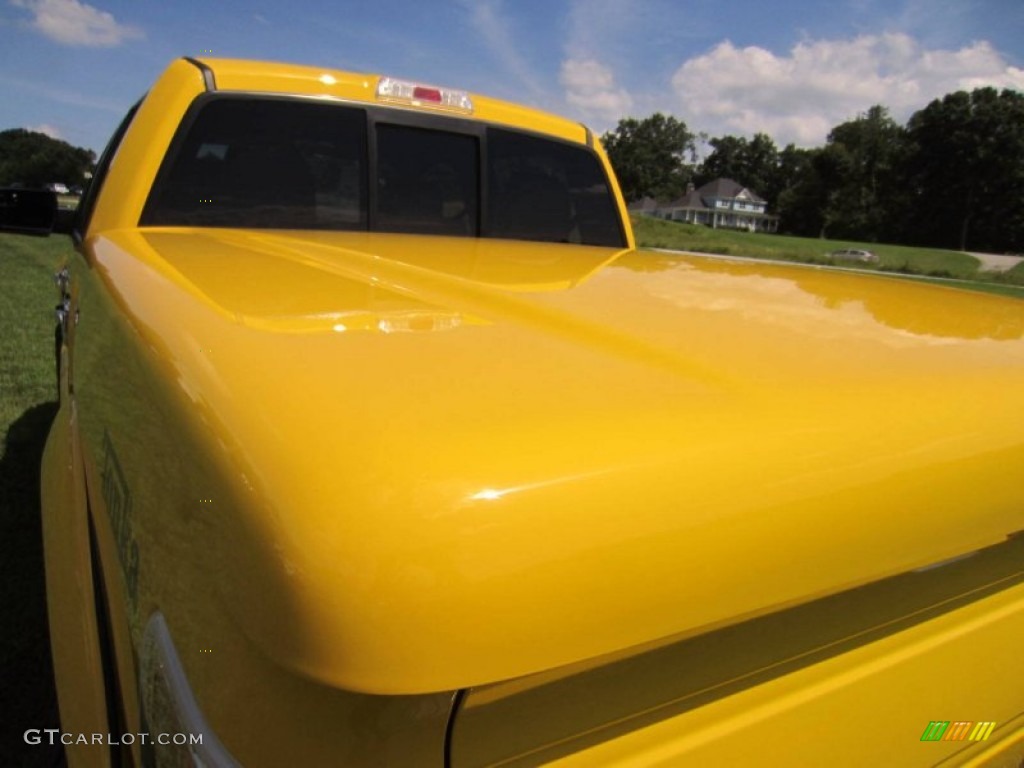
<point>590,88</point>
<point>799,97</point>
<point>70,22</point>
<point>47,129</point>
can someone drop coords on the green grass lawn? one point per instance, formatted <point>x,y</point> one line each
<point>897,259</point>
<point>27,300</point>
<point>1011,277</point>
<point>28,395</point>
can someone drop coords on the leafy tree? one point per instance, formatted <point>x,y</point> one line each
<point>34,159</point>
<point>965,171</point>
<point>753,163</point>
<point>953,177</point>
<point>762,159</point>
<point>650,156</point>
<point>801,195</point>
<point>725,161</point>
<point>863,156</point>
<point>832,166</point>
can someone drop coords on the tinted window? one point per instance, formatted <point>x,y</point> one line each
<point>297,164</point>
<point>547,190</point>
<point>427,181</point>
<point>266,164</point>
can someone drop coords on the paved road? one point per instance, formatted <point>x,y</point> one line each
<point>996,263</point>
<point>989,261</point>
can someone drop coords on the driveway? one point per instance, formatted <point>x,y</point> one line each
<point>996,263</point>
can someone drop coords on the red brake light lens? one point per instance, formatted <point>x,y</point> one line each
<point>427,94</point>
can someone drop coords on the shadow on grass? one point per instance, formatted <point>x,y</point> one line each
<point>27,696</point>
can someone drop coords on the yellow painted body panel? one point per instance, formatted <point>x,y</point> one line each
<point>393,489</point>
<point>138,158</point>
<point>358,472</point>
<point>147,453</point>
<point>854,679</point>
<point>73,632</point>
<point>866,707</point>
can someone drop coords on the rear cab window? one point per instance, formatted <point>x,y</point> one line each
<point>291,163</point>
<point>541,189</point>
<point>264,163</point>
<point>427,181</point>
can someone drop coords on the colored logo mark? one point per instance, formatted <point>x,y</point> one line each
<point>959,730</point>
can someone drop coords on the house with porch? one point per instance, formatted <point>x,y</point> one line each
<point>720,204</point>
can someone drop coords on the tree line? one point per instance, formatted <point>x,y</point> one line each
<point>33,159</point>
<point>952,177</point>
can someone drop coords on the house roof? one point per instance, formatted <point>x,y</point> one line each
<point>727,188</point>
<point>720,188</point>
<point>691,199</point>
<point>644,204</point>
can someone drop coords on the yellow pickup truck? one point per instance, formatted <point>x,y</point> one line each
<point>380,445</point>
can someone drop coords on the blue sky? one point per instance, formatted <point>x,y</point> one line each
<point>791,69</point>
